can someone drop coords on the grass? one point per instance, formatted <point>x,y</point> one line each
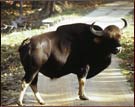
<point>127,42</point>
<point>127,55</point>
<point>15,38</point>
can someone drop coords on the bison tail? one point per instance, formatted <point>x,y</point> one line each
<point>24,44</point>
<point>24,50</point>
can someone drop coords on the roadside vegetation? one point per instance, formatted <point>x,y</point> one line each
<point>127,57</point>
<point>127,54</point>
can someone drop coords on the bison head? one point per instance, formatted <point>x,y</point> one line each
<point>109,38</point>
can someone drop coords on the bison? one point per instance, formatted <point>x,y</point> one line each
<point>82,49</point>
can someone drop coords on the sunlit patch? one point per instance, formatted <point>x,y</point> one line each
<point>113,69</point>
<point>110,98</point>
<point>112,76</point>
<point>109,81</point>
<point>52,99</point>
<point>63,99</point>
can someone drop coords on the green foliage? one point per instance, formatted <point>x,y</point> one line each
<point>127,54</point>
<point>11,74</point>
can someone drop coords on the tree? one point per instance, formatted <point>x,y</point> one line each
<point>48,8</point>
<point>21,8</point>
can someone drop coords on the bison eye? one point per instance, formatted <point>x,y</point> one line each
<point>118,36</point>
<point>97,40</point>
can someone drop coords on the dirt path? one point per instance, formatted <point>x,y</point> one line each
<point>109,88</point>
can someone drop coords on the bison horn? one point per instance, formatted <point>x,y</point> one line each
<point>125,23</point>
<point>95,32</point>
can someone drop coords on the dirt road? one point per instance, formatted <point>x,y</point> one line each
<point>109,88</point>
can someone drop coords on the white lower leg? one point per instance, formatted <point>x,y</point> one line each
<point>81,87</point>
<point>40,100</point>
<point>24,87</point>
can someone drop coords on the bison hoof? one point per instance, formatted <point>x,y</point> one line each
<point>42,102</point>
<point>83,97</point>
<point>20,103</point>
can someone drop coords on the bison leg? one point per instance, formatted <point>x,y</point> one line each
<point>33,86</point>
<point>29,76</point>
<point>82,81</point>
<point>24,87</point>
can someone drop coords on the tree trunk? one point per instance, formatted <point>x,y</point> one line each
<point>48,8</point>
<point>21,8</point>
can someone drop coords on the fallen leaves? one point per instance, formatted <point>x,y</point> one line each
<point>11,74</point>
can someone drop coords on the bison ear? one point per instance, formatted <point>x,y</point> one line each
<point>97,40</point>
